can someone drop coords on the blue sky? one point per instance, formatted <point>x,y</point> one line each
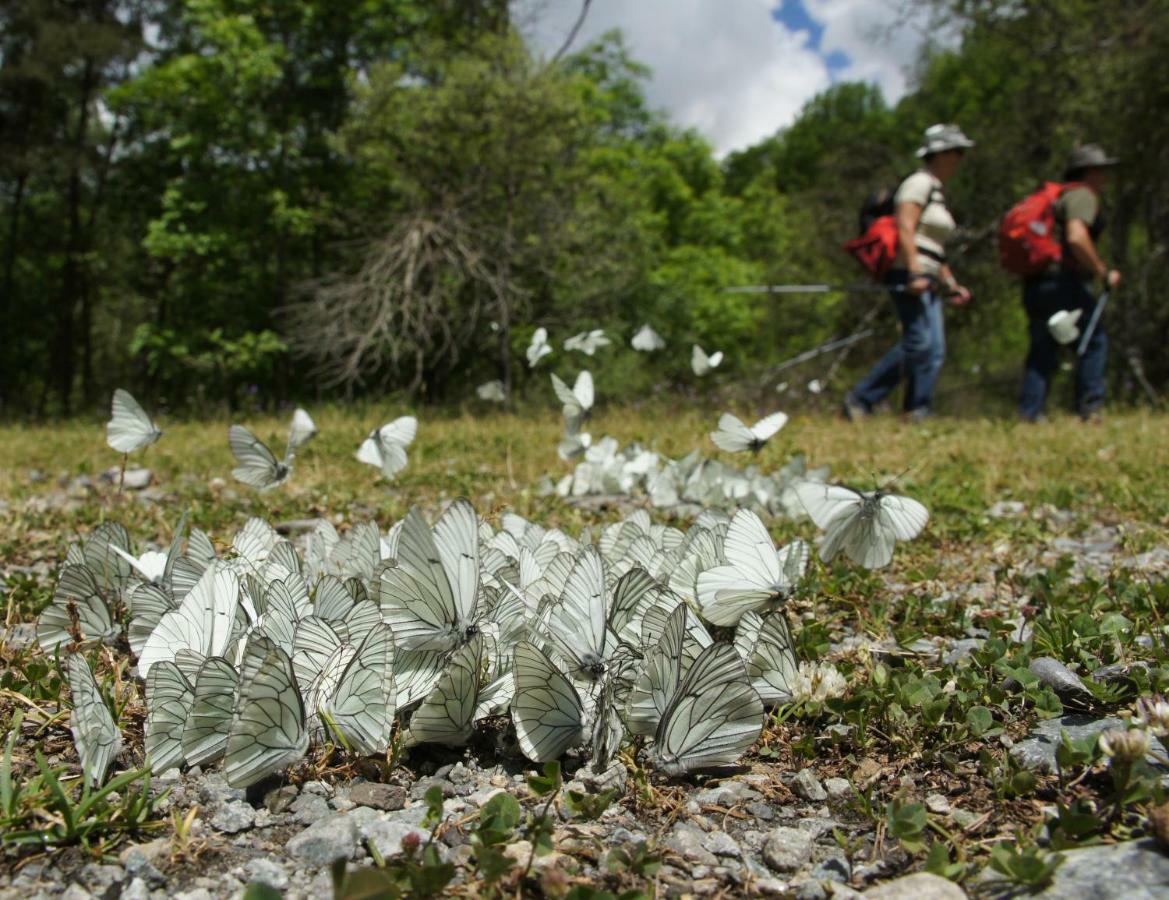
<point>738,70</point>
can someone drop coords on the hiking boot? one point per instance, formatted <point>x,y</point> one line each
<point>852,409</point>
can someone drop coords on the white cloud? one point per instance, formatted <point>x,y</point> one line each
<point>726,67</point>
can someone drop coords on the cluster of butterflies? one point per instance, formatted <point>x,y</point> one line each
<point>253,656</point>
<point>131,428</point>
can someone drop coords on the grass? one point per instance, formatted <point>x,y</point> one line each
<point>907,726</point>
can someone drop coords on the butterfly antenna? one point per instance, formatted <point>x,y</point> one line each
<point>896,478</point>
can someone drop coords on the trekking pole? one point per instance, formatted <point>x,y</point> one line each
<point>1090,329</point>
<point>811,288</point>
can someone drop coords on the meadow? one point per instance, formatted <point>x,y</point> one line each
<point>1045,542</point>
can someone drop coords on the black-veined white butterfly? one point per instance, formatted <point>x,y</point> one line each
<point>539,347</point>
<point>701,363</point>
<point>78,609</point>
<point>95,733</point>
<point>169,696</point>
<point>647,340</point>
<point>547,711</point>
<point>577,401</point>
<point>588,342</point>
<point>302,430</point>
<point>204,621</point>
<point>765,645</point>
<point>447,714</point>
<point>734,436</point>
<point>863,525</point>
<point>256,464</point>
<point>129,427</point>
<point>385,447</point>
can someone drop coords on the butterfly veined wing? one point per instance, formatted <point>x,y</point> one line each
<point>362,618</point>
<point>747,634</point>
<point>732,435</point>
<point>634,594</point>
<point>129,427</point>
<point>362,705</point>
<point>578,621</point>
<point>766,428</point>
<point>713,718</point>
<point>369,452</point>
<point>111,570</point>
<point>313,644</point>
<point>661,672</point>
<point>825,502</point>
<point>204,621</point>
<point>208,722</point>
<point>148,604</point>
<point>417,597</point>
<point>903,517</point>
<point>77,605</point>
<point>268,724</point>
<point>566,397</point>
<point>257,465</point>
<point>456,535</point>
<point>546,710</point>
<point>447,715</point>
<point>749,546</point>
<point>582,390</point>
<point>392,440</point>
<point>95,733</point>
<point>168,703</point>
<point>302,430</point>
<point>772,663</point>
<point>715,359</point>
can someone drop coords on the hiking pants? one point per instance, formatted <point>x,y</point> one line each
<point>918,355</point>
<point>1043,296</point>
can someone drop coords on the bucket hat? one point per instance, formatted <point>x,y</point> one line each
<point>1088,156</point>
<point>941,137</point>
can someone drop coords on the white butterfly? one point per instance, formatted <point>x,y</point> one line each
<point>865,526</point>
<point>430,597</point>
<point>575,442</point>
<point>734,436</point>
<point>129,427</point>
<point>302,430</point>
<point>447,715</point>
<point>587,342</point>
<point>701,363</point>
<point>169,697</point>
<point>539,347</point>
<point>95,733</point>
<point>714,715</point>
<point>358,703</point>
<point>647,340</point>
<point>257,465</point>
<point>209,721</point>
<point>755,575</point>
<point>386,446</point>
<point>765,645</point>
<point>492,391</point>
<point>653,689</point>
<point>204,622</point>
<point>268,725</point>
<point>547,710</point>
<point>78,607</point>
<point>814,386</point>
<point>577,402</point>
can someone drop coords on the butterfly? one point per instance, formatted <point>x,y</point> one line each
<point>386,446</point>
<point>355,693</point>
<point>734,436</point>
<point>129,427</point>
<point>204,621</point>
<point>765,645</point>
<point>647,340</point>
<point>78,609</point>
<point>547,710</point>
<point>713,715</point>
<point>755,574</point>
<point>95,733</point>
<point>492,391</point>
<point>302,430</point>
<point>701,363</point>
<point>430,596</point>
<point>651,692</point>
<point>862,525</point>
<point>169,696</point>
<point>539,347</point>
<point>447,715</point>
<point>577,402</point>
<point>587,342</point>
<point>268,725</point>
<point>209,720</point>
<point>257,465</point>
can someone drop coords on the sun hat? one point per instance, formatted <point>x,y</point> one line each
<point>941,137</point>
<point>1088,156</point>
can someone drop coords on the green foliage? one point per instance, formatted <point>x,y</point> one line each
<point>1027,866</point>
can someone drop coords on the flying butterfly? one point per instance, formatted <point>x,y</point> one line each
<point>701,363</point>
<point>577,401</point>
<point>539,347</point>
<point>385,447</point>
<point>863,525</point>
<point>129,427</point>
<point>734,436</point>
<point>587,342</point>
<point>257,465</point>
<point>302,430</point>
<point>647,340</point>
<point>492,391</point>
<point>95,733</point>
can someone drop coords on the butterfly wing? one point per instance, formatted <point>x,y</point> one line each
<point>129,427</point>
<point>767,427</point>
<point>362,705</point>
<point>203,622</point>
<point>208,723</point>
<point>582,390</point>
<point>95,733</point>
<point>903,517</point>
<point>546,710</point>
<point>772,663</point>
<point>169,697</point>
<point>659,677</point>
<point>456,536</point>
<point>77,604</point>
<point>416,596</point>
<point>732,435</point>
<point>257,465</point>
<point>302,430</point>
<point>577,623</point>
<point>447,715</point>
<point>824,503</point>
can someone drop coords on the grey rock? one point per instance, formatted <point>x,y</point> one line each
<point>1134,870</point>
<point>317,787</point>
<point>771,887</point>
<point>788,849</point>
<point>1037,750</point>
<point>214,790</point>
<point>722,844</point>
<point>385,837</point>
<point>808,890</point>
<point>690,843</point>
<point>420,787</point>
<point>309,808</point>
<point>482,796</point>
<point>378,796</point>
<point>919,886</point>
<point>76,892</point>
<point>325,841</point>
<point>100,880</point>
<point>808,786</point>
<point>280,799</point>
<point>196,894</point>
<point>234,817</point>
<point>267,872</point>
<point>937,803</point>
<point>838,788</point>
<point>136,890</point>
<point>762,811</point>
<point>1059,678</point>
<point>835,868</point>
<point>726,794</point>
<point>960,649</point>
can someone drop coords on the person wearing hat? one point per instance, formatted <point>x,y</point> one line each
<point>1067,285</point>
<point>919,280</point>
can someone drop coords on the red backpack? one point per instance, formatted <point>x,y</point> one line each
<point>875,248</point>
<point>1027,242</point>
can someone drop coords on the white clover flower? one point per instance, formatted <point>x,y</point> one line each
<point>1153,715</point>
<point>818,682</point>
<point>1124,746</point>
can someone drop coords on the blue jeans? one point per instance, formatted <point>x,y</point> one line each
<point>1044,296</point>
<point>918,355</point>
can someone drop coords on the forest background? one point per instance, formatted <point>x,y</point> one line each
<point>246,202</point>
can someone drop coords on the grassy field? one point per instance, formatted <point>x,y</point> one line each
<point>905,727</point>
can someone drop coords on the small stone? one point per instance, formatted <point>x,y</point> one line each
<point>770,887</point>
<point>378,796</point>
<point>325,842</point>
<point>76,892</point>
<point>136,890</point>
<point>100,879</point>
<point>788,849</point>
<point>838,788</point>
<point>264,819</point>
<point>1037,750</point>
<point>196,894</point>
<point>214,790</point>
<point>234,817</point>
<point>317,787</point>
<point>690,843</point>
<point>919,886</point>
<point>835,868</point>
<point>722,844</point>
<point>267,872</point>
<point>808,786</point>
<point>309,808</point>
<point>385,837</point>
<point>964,818</point>
<point>726,794</point>
<point>808,890</point>
<point>418,791</point>
<point>279,799</point>
<point>481,797</point>
<point>937,803</point>
<point>762,811</point>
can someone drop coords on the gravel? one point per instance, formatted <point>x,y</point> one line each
<point>325,841</point>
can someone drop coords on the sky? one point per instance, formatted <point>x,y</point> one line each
<point>738,70</point>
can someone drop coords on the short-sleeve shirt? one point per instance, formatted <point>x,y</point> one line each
<point>935,225</point>
<point>1077,203</point>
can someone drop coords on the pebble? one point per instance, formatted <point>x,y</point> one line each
<point>1037,750</point>
<point>267,872</point>
<point>838,788</point>
<point>378,796</point>
<point>690,843</point>
<point>385,836</point>
<point>722,844</point>
<point>834,868</point>
<point>808,786</point>
<point>309,808</point>
<point>1134,870</point>
<point>136,890</point>
<point>919,886</point>
<point>233,817</point>
<point>280,799</point>
<point>726,794</point>
<point>788,849</point>
<point>325,841</point>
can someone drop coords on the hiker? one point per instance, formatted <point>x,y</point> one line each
<point>1067,285</point>
<point>919,280</point>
